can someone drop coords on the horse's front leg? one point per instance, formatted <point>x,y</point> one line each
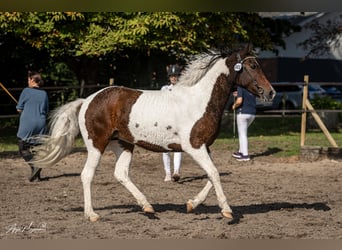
<point>193,203</point>
<point>124,157</point>
<point>202,157</point>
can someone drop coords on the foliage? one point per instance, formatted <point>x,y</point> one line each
<point>90,43</point>
<point>324,37</point>
<point>278,29</point>
<point>97,34</point>
<point>325,102</point>
<point>9,123</point>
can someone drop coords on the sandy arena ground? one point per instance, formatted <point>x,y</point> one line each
<point>271,198</point>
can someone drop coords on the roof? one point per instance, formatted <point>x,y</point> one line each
<point>302,18</point>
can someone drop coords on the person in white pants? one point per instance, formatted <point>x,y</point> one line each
<point>245,105</point>
<point>173,72</point>
<point>177,160</point>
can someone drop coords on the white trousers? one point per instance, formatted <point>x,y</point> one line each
<point>243,122</point>
<point>177,158</point>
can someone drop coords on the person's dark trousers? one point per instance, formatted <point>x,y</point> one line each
<point>25,152</point>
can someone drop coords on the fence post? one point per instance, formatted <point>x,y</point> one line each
<point>321,124</point>
<point>307,105</point>
<point>305,97</point>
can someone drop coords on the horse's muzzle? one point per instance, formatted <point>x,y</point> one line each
<point>270,95</point>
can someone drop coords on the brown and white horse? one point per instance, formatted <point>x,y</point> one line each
<point>186,118</point>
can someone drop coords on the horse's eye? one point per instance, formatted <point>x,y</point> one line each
<point>253,66</point>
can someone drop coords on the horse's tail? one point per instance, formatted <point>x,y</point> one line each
<point>64,128</point>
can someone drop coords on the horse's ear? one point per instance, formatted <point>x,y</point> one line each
<point>249,47</point>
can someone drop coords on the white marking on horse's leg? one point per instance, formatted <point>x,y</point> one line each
<point>87,175</point>
<point>192,204</point>
<point>121,174</point>
<point>202,157</point>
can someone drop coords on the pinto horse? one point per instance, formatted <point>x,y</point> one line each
<point>120,118</point>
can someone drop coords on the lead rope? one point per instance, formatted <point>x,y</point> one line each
<point>234,122</point>
<point>237,67</point>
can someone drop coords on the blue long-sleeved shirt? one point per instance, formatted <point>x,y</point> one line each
<point>34,104</point>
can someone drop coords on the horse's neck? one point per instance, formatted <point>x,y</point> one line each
<point>214,86</point>
<point>212,91</point>
<point>211,76</point>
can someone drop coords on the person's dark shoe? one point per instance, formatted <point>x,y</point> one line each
<point>175,177</point>
<point>237,155</point>
<point>243,158</point>
<point>35,175</point>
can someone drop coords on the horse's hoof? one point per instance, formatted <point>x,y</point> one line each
<point>148,209</point>
<point>227,215</point>
<point>94,218</point>
<point>189,207</point>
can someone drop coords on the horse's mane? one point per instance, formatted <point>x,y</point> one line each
<point>198,65</point>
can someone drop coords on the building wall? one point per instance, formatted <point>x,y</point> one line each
<point>290,65</point>
<point>292,49</point>
<point>294,69</point>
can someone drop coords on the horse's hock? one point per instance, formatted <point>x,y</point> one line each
<point>314,153</point>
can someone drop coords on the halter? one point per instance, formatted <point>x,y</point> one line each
<point>239,66</point>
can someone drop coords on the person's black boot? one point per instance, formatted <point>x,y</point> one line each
<point>35,174</point>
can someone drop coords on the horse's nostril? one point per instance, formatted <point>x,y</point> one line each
<point>272,94</point>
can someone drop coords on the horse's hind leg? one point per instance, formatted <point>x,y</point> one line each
<point>87,175</point>
<point>124,152</point>
<point>202,157</point>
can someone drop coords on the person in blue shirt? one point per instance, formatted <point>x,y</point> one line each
<point>33,106</point>
<point>245,106</point>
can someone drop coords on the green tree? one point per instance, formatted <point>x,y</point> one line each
<point>88,41</point>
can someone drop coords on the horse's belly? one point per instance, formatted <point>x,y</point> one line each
<point>154,147</point>
<point>154,134</point>
<point>153,137</point>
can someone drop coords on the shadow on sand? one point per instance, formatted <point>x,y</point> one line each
<point>238,211</point>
